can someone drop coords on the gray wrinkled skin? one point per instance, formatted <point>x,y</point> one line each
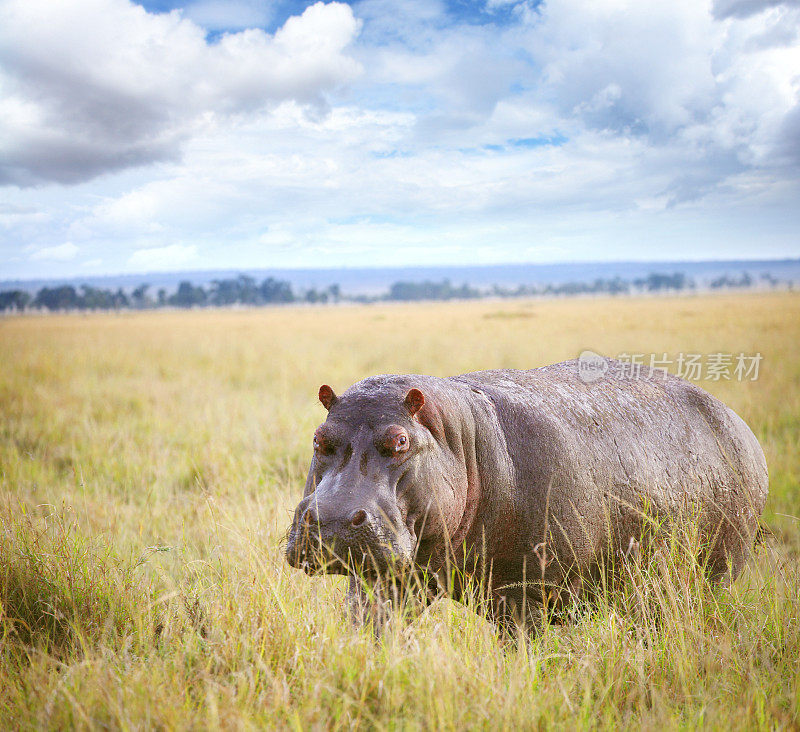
<point>526,481</point>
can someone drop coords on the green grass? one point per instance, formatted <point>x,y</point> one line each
<point>149,464</point>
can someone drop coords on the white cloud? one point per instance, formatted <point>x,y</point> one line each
<point>168,257</point>
<point>713,94</point>
<point>59,253</point>
<point>627,66</point>
<point>90,86</point>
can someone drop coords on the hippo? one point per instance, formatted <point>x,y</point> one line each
<point>521,483</point>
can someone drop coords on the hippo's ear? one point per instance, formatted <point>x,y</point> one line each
<point>414,401</point>
<point>327,397</point>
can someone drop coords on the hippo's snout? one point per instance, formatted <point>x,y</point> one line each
<point>357,539</point>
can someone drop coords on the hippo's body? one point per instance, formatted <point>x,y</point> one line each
<point>530,478</point>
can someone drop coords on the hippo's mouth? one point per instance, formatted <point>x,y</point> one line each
<point>316,557</point>
<point>315,563</point>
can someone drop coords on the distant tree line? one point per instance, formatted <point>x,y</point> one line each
<point>244,290</point>
<point>428,290</point>
<point>241,290</point>
<point>614,286</point>
<point>445,291</point>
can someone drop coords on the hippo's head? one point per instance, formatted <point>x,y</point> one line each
<point>381,481</point>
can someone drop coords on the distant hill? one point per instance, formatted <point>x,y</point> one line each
<point>374,281</point>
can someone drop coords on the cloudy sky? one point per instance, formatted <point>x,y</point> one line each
<point>278,133</point>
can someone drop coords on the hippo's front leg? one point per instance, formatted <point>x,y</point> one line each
<point>375,600</point>
<point>513,614</point>
<point>369,603</point>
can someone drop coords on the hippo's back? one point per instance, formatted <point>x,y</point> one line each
<point>621,444</point>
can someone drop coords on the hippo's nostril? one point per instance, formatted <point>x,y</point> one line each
<point>358,518</point>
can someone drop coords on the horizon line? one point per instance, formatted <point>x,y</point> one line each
<point>341,268</point>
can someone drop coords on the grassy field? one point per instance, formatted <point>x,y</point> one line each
<point>149,463</point>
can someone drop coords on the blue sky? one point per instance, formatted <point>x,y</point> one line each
<point>172,135</point>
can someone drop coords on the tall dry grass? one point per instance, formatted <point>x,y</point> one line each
<point>149,465</point>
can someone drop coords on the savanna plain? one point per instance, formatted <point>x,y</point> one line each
<point>149,464</point>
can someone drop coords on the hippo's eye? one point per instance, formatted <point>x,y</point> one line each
<point>395,441</point>
<point>321,445</point>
